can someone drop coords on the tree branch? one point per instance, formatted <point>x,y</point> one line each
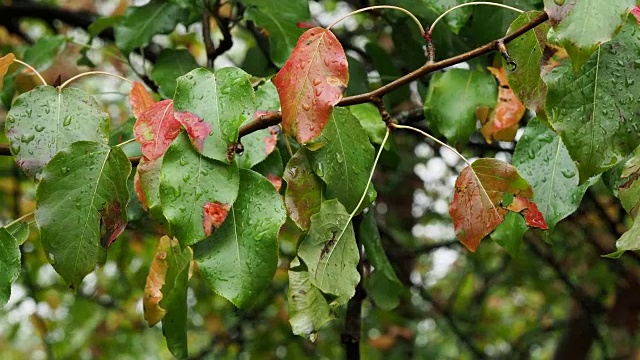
<point>353,321</point>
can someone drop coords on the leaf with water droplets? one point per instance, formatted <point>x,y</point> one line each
<point>477,207</point>
<point>543,160</point>
<point>82,199</point>
<point>452,100</point>
<point>5,62</point>
<point>304,189</point>
<point>502,121</point>
<point>526,51</point>
<point>9,264</point>
<point>308,308</point>
<point>240,258</point>
<point>280,27</point>
<point>595,112</point>
<point>342,157</point>
<point>329,251</point>
<point>188,182</point>
<point>630,240</point>
<point>44,121</point>
<point>155,129</point>
<point>311,83</point>
<point>581,26</point>
<point>259,144</point>
<point>629,188</point>
<point>221,102</point>
<point>139,99</point>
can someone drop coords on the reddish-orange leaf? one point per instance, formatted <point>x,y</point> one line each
<point>5,62</point>
<point>139,99</point>
<point>156,128</point>
<point>112,223</point>
<point>271,140</point>
<point>636,13</point>
<point>276,181</point>
<point>153,313</point>
<point>532,216</point>
<point>311,83</point>
<point>197,129</point>
<point>479,191</point>
<point>214,215</point>
<point>502,122</point>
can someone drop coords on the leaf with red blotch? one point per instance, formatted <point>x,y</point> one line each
<point>276,181</point>
<point>476,208</point>
<point>311,83</point>
<point>5,62</point>
<point>156,128</point>
<point>532,216</point>
<point>196,127</point>
<point>636,13</point>
<point>139,99</point>
<point>112,222</point>
<point>502,122</point>
<point>213,214</point>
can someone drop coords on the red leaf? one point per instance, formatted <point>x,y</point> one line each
<point>214,215</point>
<point>532,216</point>
<point>143,167</point>
<point>636,13</point>
<point>271,140</point>
<point>479,190</point>
<point>139,99</point>
<point>156,128</point>
<point>197,129</point>
<point>311,83</point>
<point>112,223</point>
<point>306,24</point>
<point>276,181</point>
<point>502,122</point>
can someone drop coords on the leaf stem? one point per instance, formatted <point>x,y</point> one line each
<point>413,17</point>
<point>20,219</point>
<point>373,169</point>
<point>126,142</point>
<point>430,31</point>
<point>432,138</point>
<point>93,73</point>
<point>32,69</point>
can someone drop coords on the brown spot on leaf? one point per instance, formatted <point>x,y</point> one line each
<point>327,247</point>
<point>214,215</point>
<point>112,223</point>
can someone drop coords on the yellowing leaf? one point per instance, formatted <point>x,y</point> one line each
<point>5,62</point>
<point>502,122</point>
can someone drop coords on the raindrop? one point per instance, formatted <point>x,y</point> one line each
<point>319,170</point>
<point>183,162</point>
<point>306,106</point>
<point>568,173</point>
<point>339,158</point>
<point>64,170</point>
<point>27,138</point>
<point>317,81</point>
<point>67,120</point>
<point>39,128</point>
<point>15,148</point>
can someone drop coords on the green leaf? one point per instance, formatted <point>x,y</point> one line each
<point>628,187</point>
<point>259,144</point>
<point>9,264</point>
<point>20,231</point>
<point>543,160</point>
<point>146,184</point>
<point>103,23</point>
<point>388,73</point>
<point>308,309</point>
<point>44,121</point>
<point>510,233</point>
<point>342,157</point>
<point>329,251</point>
<point>452,100</point>
<point>588,24</point>
<point>304,189</point>
<point>371,121</point>
<point>595,112</point>
<point>174,295</point>
<point>141,23</point>
<point>239,260</point>
<point>196,192</point>
<point>224,100</point>
<point>45,51</point>
<point>526,51</point>
<point>82,199</point>
<point>455,19</point>
<point>630,240</point>
<point>171,64</point>
<point>281,26</point>
<point>382,285</point>
<point>358,79</point>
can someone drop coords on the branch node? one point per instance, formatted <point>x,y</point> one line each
<point>377,101</point>
<point>502,48</point>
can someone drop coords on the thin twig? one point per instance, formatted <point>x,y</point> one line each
<point>432,138</point>
<point>92,73</point>
<point>32,69</point>
<point>413,17</point>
